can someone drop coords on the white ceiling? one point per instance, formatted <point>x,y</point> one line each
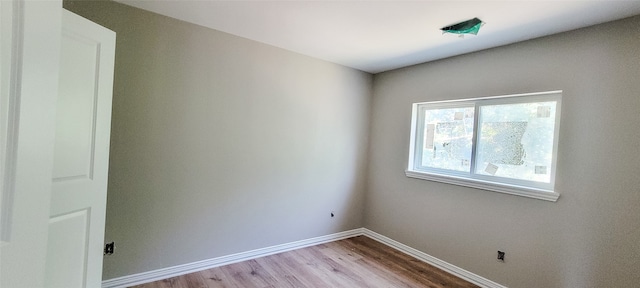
<point>376,36</point>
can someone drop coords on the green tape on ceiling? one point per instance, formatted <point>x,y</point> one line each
<point>465,27</point>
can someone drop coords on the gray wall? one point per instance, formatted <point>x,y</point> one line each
<point>591,236</point>
<point>223,145</point>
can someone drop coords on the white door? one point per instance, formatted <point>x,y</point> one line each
<point>81,154</point>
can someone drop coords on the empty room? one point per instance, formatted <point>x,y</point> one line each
<point>320,144</point>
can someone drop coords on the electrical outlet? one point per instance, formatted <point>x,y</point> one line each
<point>501,256</point>
<point>109,248</point>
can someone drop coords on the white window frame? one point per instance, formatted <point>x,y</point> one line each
<point>531,189</point>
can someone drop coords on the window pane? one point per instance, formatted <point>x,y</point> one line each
<point>516,141</point>
<point>447,138</point>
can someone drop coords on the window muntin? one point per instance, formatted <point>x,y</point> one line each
<point>506,141</point>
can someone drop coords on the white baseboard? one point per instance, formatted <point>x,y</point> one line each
<point>450,268</point>
<point>169,272</point>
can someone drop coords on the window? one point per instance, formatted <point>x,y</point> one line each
<point>505,144</point>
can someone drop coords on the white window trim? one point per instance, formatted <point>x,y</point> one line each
<point>489,186</point>
<point>512,189</point>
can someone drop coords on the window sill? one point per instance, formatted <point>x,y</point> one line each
<point>507,189</point>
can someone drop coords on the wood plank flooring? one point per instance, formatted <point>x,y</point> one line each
<point>354,262</point>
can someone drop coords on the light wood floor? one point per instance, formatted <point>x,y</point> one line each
<point>354,262</point>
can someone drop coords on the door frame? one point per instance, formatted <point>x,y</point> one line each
<point>10,52</point>
<point>34,83</point>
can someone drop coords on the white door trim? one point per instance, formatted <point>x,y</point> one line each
<point>28,151</point>
<point>11,53</point>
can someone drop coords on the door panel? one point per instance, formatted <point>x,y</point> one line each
<point>69,234</point>
<point>75,129</point>
<point>81,154</point>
